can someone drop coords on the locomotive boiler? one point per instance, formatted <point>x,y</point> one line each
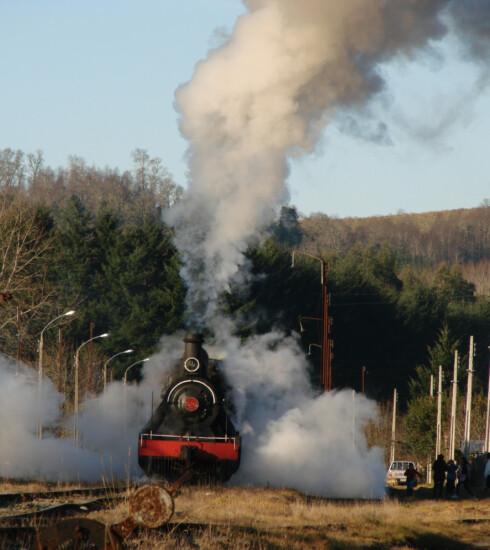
<point>191,429</point>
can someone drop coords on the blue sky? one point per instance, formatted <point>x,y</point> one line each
<point>97,79</point>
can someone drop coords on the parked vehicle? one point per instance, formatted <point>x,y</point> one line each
<point>396,472</point>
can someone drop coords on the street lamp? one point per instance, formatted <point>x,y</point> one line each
<point>313,345</point>
<point>77,361</point>
<point>106,363</point>
<point>125,389</point>
<point>41,341</point>
<point>310,256</point>
<point>41,354</point>
<point>137,363</point>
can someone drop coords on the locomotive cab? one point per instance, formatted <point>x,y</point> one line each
<point>191,427</point>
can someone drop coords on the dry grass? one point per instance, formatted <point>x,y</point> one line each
<point>237,518</point>
<point>245,518</point>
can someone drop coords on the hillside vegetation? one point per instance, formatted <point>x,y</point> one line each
<point>425,240</point>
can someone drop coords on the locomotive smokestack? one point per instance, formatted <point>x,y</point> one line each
<point>193,345</point>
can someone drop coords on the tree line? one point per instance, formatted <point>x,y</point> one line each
<point>424,241</point>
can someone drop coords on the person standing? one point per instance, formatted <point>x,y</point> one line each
<point>411,474</point>
<point>439,469</point>
<point>463,475</point>
<point>486,475</point>
<point>452,468</point>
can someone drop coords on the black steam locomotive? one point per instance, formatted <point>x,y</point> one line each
<point>191,427</point>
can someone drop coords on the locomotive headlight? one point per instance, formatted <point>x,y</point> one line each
<point>191,364</point>
<point>191,404</point>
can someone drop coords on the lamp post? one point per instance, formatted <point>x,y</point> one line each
<point>130,366</point>
<point>107,362</point>
<point>41,355</point>
<point>125,388</point>
<point>77,363</point>
<point>487,423</point>
<point>41,341</point>
<point>326,323</point>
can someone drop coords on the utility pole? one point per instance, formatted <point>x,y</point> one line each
<point>60,358</point>
<point>431,388</point>
<point>327,342</point>
<point>60,371</point>
<point>393,429</point>
<point>91,363</point>
<point>469,389</point>
<point>439,406</point>
<point>354,418</point>
<point>19,334</point>
<point>452,427</point>
<point>487,425</point>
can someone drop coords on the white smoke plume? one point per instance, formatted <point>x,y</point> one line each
<point>292,436</point>
<point>23,454</point>
<point>266,94</point>
<point>108,425</point>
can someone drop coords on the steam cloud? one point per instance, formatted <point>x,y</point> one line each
<point>267,94</point>
<point>264,96</point>
<point>291,436</point>
<point>109,424</point>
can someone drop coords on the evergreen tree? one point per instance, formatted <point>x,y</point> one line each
<point>141,295</point>
<point>451,286</point>
<point>441,353</point>
<point>288,230</point>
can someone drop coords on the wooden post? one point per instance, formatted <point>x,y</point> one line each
<point>469,391</point>
<point>439,407</point>
<point>393,429</point>
<point>452,427</point>
<point>487,425</point>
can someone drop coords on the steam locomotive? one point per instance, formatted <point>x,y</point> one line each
<point>191,428</point>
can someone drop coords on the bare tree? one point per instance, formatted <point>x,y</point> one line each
<point>24,254</point>
<point>12,169</point>
<point>153,184</point>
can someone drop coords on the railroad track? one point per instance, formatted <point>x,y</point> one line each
<point>8,499</point>
<point>61,510</point>
<point>150,506</point>
<point>25,526</point>
<point>13,534</point>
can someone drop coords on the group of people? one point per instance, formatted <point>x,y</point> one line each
<point>455,476</point>
<point>450,472</point>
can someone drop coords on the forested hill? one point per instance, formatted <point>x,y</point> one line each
<point>425,240</point>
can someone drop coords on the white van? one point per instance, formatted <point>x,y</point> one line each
<point>396,472</point>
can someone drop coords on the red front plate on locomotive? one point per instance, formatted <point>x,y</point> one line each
<point>158,446</point>
<point>167,454</point>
